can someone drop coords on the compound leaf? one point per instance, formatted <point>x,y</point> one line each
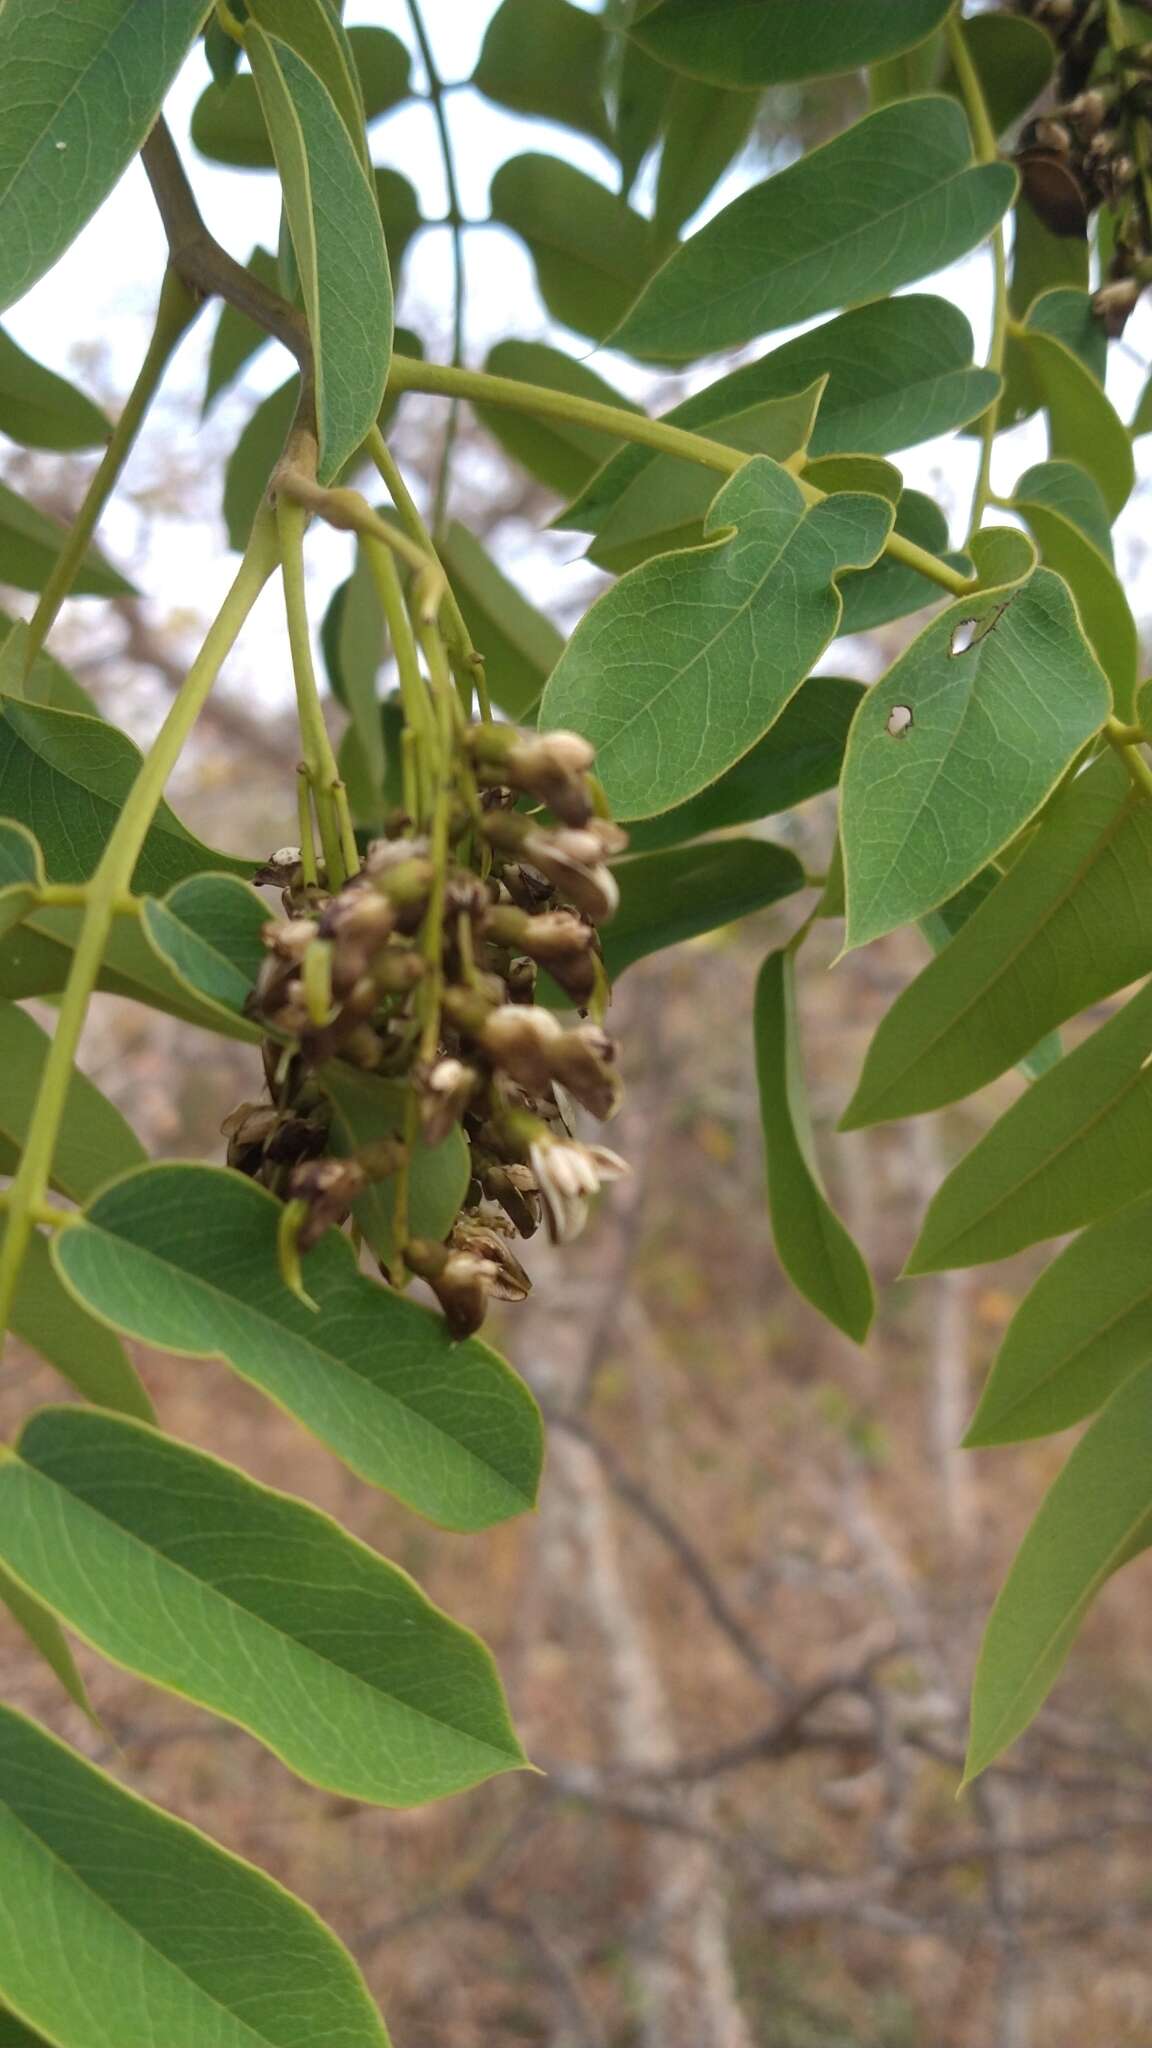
<point>686,663</point>
<point>562,453</point>
<point>183,1930</point>
<point>338,242</point>
<point>545,58</point>
<point>1076,1147</point>
<point>814,1248</point>
<point>797,758</point>
<point>891,199</point>
<point>992,727</point>
<point>30,543</point>
<point>668,897</point>
<point>1085,1325</point>
<point>95,1142</point>
<point>589,246</point>
<point>66,777</point>
<point>1067,925</point>
<point>1095,1518</point>
<point>81,87</point>
<point>252,1604</point>
<point>185,1257</point>
<point>743,42</point>
<point>207,932</point>
<point>40,409</point>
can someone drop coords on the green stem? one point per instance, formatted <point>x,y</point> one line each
<point>418,717</point>
<point>987,152</point>
<point>1127,740</point>
<point>110,883</point>
<point>329,796</point>
<point>409,511</point>
<point>432,935</point>
<point>455,218</point>
<point>175,313</point>
<point>441,381</point>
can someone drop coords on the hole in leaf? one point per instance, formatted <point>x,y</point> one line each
<point>899,721</point>
<point>967,633</point>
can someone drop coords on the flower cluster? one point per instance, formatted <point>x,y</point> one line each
<point>1092,149</point>
<point>423,969</point>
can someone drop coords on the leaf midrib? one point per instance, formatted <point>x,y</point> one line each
<point>184,1572</point>
<point>269,1323</point>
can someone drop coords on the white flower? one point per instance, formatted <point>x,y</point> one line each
<point>567,1175</point>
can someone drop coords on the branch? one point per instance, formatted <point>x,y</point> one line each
<point>208,269</point>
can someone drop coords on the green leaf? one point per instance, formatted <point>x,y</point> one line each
<point>30,544</point>
<point>667,898</point>
<point>47,682</point>
<point>207,931</point>
<point>81,88</point>
<point>237,338</point>
<point>589,247</point>
<point>940,927</point>
<point>45,1316</point>
<point>1014,60</point>
<point>14,2034</point>
<point>1042,261</point>
<point>792,248</point>
<point>1085,1326</point>
<point>1066,488</point>
<point>21,873</point>
<point>905,77</point>
<point>1066,926</point>
<point>221,50</point>
<point>666,504</point>
<point>188,1937</point>
<point>742,623</point>
<point>352,637</point>
<point>993,728</point>
<point>1082,425</point>
<point>897,373</point>
<point>36,956</point>
<point>185,1257</point>
<point>367,1108</point>
<point>1142,418</point>
<point>1076,1147</point>
<point>1070,317</point>
<point>1105,613</point>
<point>814,1248</point>
<point>253,1605</point>
<point>1095,1518</point>
<point>401,219</point>
<point>797,758</point>
<point>94,1144</point>
<point>228,125</point>
<point>641,96</point>
<point>519,645</point>
<point>742,42</point>
<point>560,453</point>
<point>546,58</point>
<point>383,67</point>
<point>66,777</point>
<point>253,459</point>
<point>40,409</point>
<point>889,589</point>
<point>705,127</point>
<point>339,247</point>
<point>46,1635</point>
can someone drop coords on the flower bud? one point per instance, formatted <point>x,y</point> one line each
<point>328,1187</point>
<point>585,1061</point>
<point>461,1282</point>
<point>520,1042</point>
<point>445,1092</point>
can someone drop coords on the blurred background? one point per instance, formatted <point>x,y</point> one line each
<point>738,1636</point>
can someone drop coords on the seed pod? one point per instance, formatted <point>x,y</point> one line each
<point>483,1240</point>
